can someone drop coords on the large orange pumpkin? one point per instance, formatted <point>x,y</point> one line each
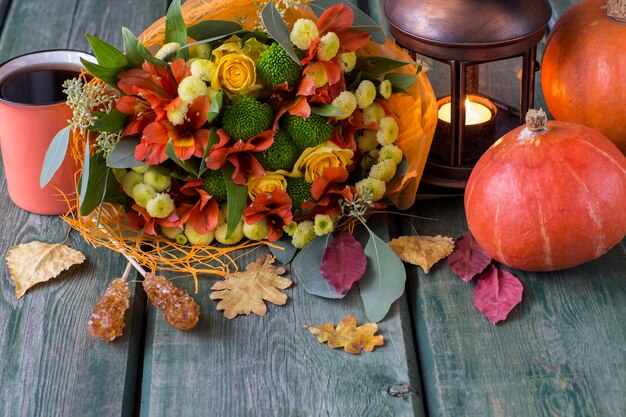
<point>583,73</point>
<point>548,196</point>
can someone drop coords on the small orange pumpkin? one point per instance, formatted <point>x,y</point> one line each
<point>583,72</point>
<point>548,196</point>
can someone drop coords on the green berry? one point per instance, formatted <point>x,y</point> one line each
<point>384,170</point>
<point>142,193</point>
<point>160,206</point>
<point>182,239</point>
<point>304,234</point>
<point>371,189</point>
<point>373,113</point>
<point>140,169</point>
<point>196,238</point>
<point>303,33</point>
<point>275,66</point>
<point>246,117</point>
<point>388,131</point>
<point>283,153</point>
<point>310,132</point>
<point>157,181</point>
<point>346,101</point>
<point>392,152</point>
<point>367,141</point>
<point>191,87</point>
<point>235,237</point>
<point>171,232</point>
<point>328,47</point>
<point>365,94</point>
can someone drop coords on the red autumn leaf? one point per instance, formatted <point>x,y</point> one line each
<point>468,258</point>
<point>496,293</point>
<point>344,262</point>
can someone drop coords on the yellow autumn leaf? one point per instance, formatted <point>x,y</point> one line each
<point>347,336</point>
<point>244,292</point>
<point>35,262</point>
<point>424,251</point>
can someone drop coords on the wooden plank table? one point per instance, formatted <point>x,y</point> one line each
<point>561,353</point>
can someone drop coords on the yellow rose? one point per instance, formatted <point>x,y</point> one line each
<point>235,74</point>
<point>314,161</point>
<point>232,45</point>
<point>266,184</point>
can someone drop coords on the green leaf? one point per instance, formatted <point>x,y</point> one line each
<point>148,57</point>
<point>213,139</point>
<point>55,155</point>
<point>187,165</point>
<point>361,19</point>
<point>175,30</point>
<point>110,122</point>
<point>123,155</point>
<point>106,74</point>
<point>327,110</point>
<point>306,266</point>
<point>378,65</point>
<point>99,185</point>
<point>107,54</point>
<point>277,29</point>
<point>237,197</point>
<point>400,82</point>
<point>384,279</point>
<point>131,49</point>
<point>215,108</point>
<point>208,29</point>
<point>286,252</point>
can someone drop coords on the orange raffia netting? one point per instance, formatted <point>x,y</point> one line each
<point>417,113</point>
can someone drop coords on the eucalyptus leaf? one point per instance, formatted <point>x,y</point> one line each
<point>82,186</point>
<point>188,165</point>
<point>55,155</point>
<point>216,108</point>
<point>326,110</point>
<point>175,30</point>
<point>237,197</point>
<point>306,267</point>
<point>131,49</point>
<point>378,65</point>
<point>277,29</point>
<point>402,168</point>
<point>384,279</point>
<point>123,155</point>
<point>110,122</point>
<point>361,19</point>
<point>99,185</point>
<point>106,74</point>
<point>106,54</point>
<point>400,82</point>
<point>208,29</point>
<point>288,251</point>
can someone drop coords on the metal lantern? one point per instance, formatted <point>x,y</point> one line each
<point>464,34</point>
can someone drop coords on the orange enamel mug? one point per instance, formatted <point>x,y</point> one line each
<point>28,125</point>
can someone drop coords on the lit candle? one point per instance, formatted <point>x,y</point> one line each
<point>475,113</point>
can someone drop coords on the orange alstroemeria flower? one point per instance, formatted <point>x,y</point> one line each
<point>240,154</point>
<point>275,208</point>
<point>201,215</point>
<point>328,191</point>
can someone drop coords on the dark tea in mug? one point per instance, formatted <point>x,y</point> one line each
<point>36,87</point>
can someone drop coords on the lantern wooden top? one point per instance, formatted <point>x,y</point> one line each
<point>471,30</point>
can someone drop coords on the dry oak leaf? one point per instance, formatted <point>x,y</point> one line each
<point>244,292</point>
<point>424,251</point>
<point>35,262</point>
<point>347,336</point>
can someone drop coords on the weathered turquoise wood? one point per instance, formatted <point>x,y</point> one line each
<point>50,365</point>
<point>272,366</point>
<point>560,353</point>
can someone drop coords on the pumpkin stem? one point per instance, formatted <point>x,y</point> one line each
<point>616,9</point>
<point>536,120</point>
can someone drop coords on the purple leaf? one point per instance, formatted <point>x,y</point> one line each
<point>468,258</point>
<point>344,262</point>
<point>496,293</point>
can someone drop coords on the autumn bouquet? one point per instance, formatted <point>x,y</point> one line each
<point>284,125</point>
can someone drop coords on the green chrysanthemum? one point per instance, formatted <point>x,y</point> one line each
<point>275,67</point>
<point>246,117</point>
<point>214,185</point>
<point>310,132</point>
<point>281,155</point>
<point>299,190</point>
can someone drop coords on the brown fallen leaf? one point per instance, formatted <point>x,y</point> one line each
<point>244,292</point>
<point>35,262</point>
<point>424,251</point>
<point>347,336</point>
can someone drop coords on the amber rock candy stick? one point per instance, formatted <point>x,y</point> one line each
<point>179,309</point>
